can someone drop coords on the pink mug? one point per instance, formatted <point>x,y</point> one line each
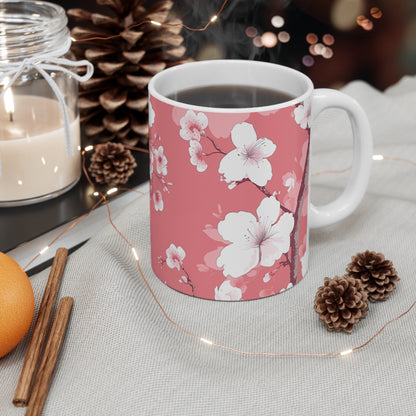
<point>229,187</point>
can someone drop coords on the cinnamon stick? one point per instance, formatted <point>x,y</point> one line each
<point>27,376</point>
<point>47,365</point>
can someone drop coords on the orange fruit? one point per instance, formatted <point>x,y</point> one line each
<point>16,304</point>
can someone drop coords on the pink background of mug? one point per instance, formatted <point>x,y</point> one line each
<point>196,202</point>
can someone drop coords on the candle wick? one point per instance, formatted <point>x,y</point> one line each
<point>11,116</point>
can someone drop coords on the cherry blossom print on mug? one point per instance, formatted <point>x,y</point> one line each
<point>302,114</point>
<point>237,201</point>
<point>174,260</point>
<point>227,292</point>
<point>254,241</point>
<point>158,169</point>
<point>249,158</point>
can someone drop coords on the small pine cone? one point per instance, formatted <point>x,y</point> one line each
<point>112,164</point>
<point>341,303</point>
<point>376,274</point>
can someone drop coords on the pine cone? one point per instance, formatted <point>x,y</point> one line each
<point>341,303</point>
<point>113,103</point>
<point>112,164</point>
<point>376,274</point>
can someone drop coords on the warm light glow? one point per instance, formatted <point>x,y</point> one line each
<point>328,53</point>
<point>328,39</point>
<point>96,193</point>
<point>367,25</point>
<point>269,39</point>
<point>376,12</point>
<point>156,23</point>
<point>258,42</point>
<point>135,253</point>
<point>277,21</point>
<point>73,39</point>
<point>111,191</point>
<point>378,157</point>
<point>207,341</point>
<point>214,18</point>
<point>311,38</point>
<point>251,31</point>
<point>8,98</point>
<point>44,250</point>
<point>88,148</point>
<point>283,36</point>
<point>343,13</point>
<point>346,352</point>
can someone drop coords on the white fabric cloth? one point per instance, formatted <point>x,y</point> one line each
<point>122,357</point>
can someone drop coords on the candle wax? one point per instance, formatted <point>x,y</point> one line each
<point>34,161</point>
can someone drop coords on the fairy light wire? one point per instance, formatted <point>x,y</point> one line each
<point>204,340</point>
<point>159,24</point>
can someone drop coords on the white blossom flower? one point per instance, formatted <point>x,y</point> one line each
<point>254,241</point>
<point>175,256</point>
<point>161,161</point>
<point>151,114</point>
<point>249,158</point>
<point>197,156</point>
<point>289,285</point>
<point>192,125</point>
<point>303,115</point>
<point>158,201</point>
<point>227,292</point>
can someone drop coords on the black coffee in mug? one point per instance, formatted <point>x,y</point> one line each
<point>230,96</point>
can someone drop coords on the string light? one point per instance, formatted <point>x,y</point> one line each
<point>136,257</point>
<point>378,157</point>
<point>112,191</point>
<point>89,148</point>
<point>159,24</point>
<point>202,339</point>
<point>44,250</point>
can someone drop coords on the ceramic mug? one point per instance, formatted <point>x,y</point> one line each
<point>229,187</point>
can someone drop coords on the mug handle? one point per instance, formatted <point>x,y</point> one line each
<point>352,195</point>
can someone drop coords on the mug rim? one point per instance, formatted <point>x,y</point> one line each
<point>153,91</point>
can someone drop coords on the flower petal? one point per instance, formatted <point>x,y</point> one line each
<point>259,172</point>
<point>232,167</point>
<point>238,260</point>
<point>236,227</point>
<point>268,211</point>
<point>243,134</point>
<point>279,241</point>
<point>265,146</point>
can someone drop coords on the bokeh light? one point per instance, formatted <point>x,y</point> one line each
<point>251,31</point>
<point>269,39</point>
<point>328,39</point>
<point>308,60</point>
<point>328,53</point>
<point>311,38</point>
<point>376,13</point>
<point>283,36</point>
<point>278,21</point>
<point>312,50</point>
<point>257,41</point>
<point>343,13</point>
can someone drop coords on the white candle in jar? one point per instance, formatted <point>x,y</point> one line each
<point>33,155</point>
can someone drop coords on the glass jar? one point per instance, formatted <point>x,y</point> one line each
<point>40,149</point>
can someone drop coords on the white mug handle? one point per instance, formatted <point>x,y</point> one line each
<point>348,201</point>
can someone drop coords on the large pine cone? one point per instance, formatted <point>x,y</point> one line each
<point>112,164</point>
<point>341,303</point>
<point>375,272</point>
<point>113,103</point>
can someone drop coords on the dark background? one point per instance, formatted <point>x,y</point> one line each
<point>380,56</point>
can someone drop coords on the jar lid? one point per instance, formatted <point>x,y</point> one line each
<point>30,28</point>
